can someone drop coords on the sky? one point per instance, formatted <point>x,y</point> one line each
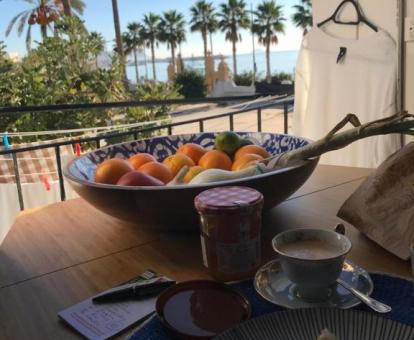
<point>98,17</point>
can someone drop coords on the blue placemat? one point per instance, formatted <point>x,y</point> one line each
<point>396,292</point>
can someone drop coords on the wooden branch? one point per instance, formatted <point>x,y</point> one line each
<point>401,122</point>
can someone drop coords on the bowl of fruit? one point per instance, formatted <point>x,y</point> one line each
<point>153,181</point>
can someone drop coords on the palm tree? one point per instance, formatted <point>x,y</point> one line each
<point>66,7</point>
<point>97,42</point>
<point>303,16</point>
<point>5,63</point>
<point>78,6</point>
<point>3,52</point>
<point>150,32</point>
<point>144,54</point>
<point>118,36</point>
<point>172,31</point>
<point>213,29</point>
<point>132,41</point>
<point>43,13</point>
<point>203,19</point>
<point>268,22</point>
<point>233,17</point>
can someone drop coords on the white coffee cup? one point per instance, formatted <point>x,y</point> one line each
<point>312,259</point>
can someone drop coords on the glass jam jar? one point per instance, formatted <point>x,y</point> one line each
<point>231,220</point>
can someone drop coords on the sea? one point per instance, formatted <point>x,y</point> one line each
<point>283,61</point>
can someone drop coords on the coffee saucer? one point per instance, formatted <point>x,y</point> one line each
<point>273,285</point>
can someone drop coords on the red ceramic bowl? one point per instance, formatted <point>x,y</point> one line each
<point>201,309</point>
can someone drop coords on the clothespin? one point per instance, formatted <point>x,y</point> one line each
<point>6,142</point>
<point>45,180</point>
<point>77,150</point>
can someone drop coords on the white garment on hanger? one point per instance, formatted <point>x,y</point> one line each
<point>364,82</point>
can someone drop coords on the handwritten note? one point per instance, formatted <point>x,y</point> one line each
<point>101,321</point>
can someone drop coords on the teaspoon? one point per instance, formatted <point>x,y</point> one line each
<point>369,301</point>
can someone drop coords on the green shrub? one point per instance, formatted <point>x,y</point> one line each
<point>134,114</point>
<point>190,84</point>
<point>277,77</point>
<point>152,91</point>
<point>60,71</point>
<point>244,79</point>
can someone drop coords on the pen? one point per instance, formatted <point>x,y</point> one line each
<point>138,291</point>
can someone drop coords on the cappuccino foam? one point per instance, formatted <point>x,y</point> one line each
<point>312,249</point>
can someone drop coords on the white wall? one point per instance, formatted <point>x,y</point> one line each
<point>409,64</point>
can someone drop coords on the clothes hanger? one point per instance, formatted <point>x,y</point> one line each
<point>361,17</point>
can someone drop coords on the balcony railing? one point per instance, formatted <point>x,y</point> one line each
<point>282,101</point>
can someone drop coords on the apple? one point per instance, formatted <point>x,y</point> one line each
<point>138,178</point>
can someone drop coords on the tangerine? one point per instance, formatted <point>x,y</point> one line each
<point>140,159</point>
<point>111,170</point>
<point>177,161</point>
<point>254,149</point>
<point>215,159</point>
<point>157,170</point>
<point>192,150</point>
<point>192,172</point>
<point>245,160</point>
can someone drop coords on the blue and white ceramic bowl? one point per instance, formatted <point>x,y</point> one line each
<point>173,207</point>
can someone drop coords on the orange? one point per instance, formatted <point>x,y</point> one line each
<point>194,151</point>
<point>192,172</point>
<point>243,161</point>
<point>157,170</point>
<point>140,159</point>
<point>215,159</point>
<point>255,149</point>
<point>111,170</point>
<point>177,161</point>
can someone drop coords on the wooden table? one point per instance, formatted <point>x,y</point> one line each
<point>60,254</point>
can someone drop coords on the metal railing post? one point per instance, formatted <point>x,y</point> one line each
<point>231,122</point>
<point>201,125</point>
<point>60,176</point>
<point>285,117</point>
<point>259,119</point>
<point>169,130</point>
<point>18,182</point>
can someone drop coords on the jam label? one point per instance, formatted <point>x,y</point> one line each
<point>238,257</point>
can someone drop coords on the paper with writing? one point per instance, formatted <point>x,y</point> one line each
<point>101,321</point>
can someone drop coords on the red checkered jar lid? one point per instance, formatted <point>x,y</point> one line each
<point>232,198</point>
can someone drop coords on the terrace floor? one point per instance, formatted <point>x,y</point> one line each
<point>272,121</point>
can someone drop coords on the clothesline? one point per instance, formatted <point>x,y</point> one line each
<point>93,129</point>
